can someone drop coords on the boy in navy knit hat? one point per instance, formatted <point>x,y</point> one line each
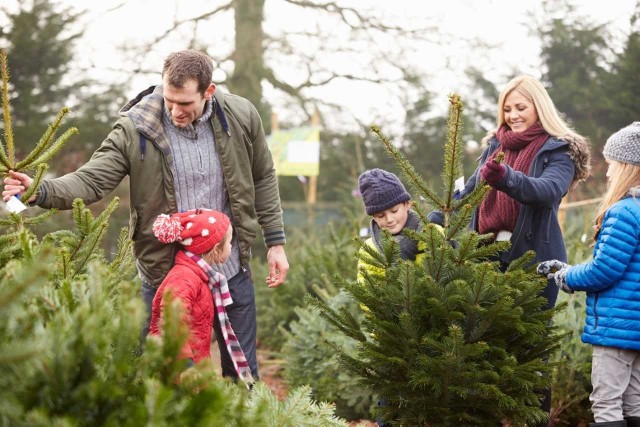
<point>389,205</point>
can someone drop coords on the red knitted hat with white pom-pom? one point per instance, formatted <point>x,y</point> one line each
<point>197,230</point>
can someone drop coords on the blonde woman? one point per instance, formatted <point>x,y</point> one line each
<point>543,158</point>
<point>612,282</point>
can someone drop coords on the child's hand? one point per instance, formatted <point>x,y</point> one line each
<point>560,277</point>
<point>549,268</point>
<point>556,270</point>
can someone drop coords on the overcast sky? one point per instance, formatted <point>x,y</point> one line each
<point>502,23</point>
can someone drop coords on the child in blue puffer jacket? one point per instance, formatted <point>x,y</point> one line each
<point>612,283</point>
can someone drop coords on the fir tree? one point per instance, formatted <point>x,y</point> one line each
<point>454,341</point>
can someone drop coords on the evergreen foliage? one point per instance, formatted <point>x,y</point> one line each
<point>454,341</point>
<point>572,375</point>
<point>317,259</point>
<point>39,40</point>
<point>308,361</point>
<point>70,334</point>
<point>46,148</point>
<point>70,350</point>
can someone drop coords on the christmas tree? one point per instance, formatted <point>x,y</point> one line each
<point>453,341</point>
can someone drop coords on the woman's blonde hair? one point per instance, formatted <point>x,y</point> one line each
<point>624,177</point>
<point>548,115</point>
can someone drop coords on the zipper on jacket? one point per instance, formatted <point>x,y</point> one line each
<point>595,311</point>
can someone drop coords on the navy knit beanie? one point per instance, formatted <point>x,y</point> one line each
<point>381,190</point>
<point>624,145</point>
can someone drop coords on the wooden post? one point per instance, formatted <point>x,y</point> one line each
<point>312,189</point>
<point>313,180</point>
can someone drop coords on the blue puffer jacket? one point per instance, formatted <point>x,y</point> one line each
<point>612,280</point>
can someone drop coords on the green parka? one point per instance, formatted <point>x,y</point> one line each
<point>245,158</point>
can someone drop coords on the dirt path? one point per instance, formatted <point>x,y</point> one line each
<point>270,373</point>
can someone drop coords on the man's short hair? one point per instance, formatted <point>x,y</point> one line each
<point>180,67</point>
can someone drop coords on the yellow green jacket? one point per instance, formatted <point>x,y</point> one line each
<point>409,249</point>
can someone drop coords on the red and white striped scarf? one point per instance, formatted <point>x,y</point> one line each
<point>222,298</point>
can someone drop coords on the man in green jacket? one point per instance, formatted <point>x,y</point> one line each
<point>185,146</point>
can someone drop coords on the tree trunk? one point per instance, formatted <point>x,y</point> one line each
<point>249,56</point>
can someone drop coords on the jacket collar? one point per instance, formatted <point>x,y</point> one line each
<point>146,110</point>
<point>183,259</point>
<point>408,247</point>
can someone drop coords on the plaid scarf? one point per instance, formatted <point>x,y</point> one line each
<point>222,298</point>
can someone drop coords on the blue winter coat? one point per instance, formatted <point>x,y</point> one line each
<point>612,280</point>
<point>539,193</point>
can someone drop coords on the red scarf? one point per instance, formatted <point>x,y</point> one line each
<point>498,211</point>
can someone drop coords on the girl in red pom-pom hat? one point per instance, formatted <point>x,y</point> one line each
<point>204,237</point>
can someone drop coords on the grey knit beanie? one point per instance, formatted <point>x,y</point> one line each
<point>624,145</point>
<point>381,190</point>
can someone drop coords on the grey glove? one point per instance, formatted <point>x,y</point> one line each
<point>549,268</point>
<point>560,277</point>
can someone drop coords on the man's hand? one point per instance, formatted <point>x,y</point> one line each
<point>278,266</point>
<point>15,184</point>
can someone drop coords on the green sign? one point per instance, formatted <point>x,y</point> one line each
<point>296,151</point>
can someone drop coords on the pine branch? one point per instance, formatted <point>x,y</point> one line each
<point>81,217</point>
<point>55,147</point>
<point>40,218</point>
<point>460,221</point>
<point>408,171</point>
<point>106,213</point>
<point>6,157</point>
<point>43,151</point>
<point>37,180</point>
<point>452,152</point>
<point>87,250</point>
<point>474,198</point>
<point>344,321</point>
<point>123,259</point>
<point>45,140</point>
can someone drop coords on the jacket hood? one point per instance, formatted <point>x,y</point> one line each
<point>145,110</point>
<point>581,155</point>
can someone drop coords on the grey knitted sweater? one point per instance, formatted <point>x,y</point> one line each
<point>199,181</point>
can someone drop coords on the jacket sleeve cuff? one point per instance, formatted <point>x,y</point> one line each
<point>41,195</point>
<point>507,181</point>
<point>274,237</point>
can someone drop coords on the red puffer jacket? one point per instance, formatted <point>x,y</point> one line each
<point>189,283</point>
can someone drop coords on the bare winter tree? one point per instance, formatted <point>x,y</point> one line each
<point>324,43</point>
